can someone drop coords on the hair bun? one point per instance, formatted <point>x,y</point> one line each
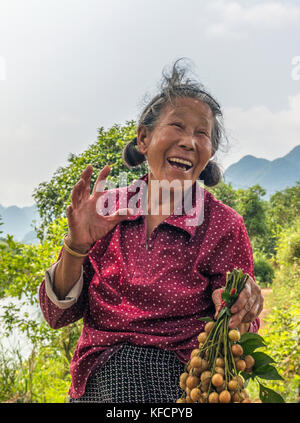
<point>131,156</point>
<point>211,175</point>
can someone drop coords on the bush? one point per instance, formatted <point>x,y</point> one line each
<point>263,269</point>
<point>282,332</point>
<point>288,245</point>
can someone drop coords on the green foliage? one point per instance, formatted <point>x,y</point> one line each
<point>225,193</point>
<point>288,245</point>
<point>284,207</point>
<point>263,269</point>
<point>44,376</point>
<point>53,197</point>
<point>282,332</point>
<point>252,208</point>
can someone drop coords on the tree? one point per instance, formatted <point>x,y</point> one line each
<point>253,209</point>
<point>226,194</point>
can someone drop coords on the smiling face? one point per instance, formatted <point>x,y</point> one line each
<point>182,132</point>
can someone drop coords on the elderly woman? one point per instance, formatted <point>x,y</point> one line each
<point>140,280</point>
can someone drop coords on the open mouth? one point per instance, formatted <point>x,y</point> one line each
<point>181,164</point>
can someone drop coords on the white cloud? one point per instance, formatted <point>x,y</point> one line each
<point>258,129</point>
<point>234,20</point>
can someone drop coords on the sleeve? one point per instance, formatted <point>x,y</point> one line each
<point>232,251</point>
<point>72,295</point>
<point>59,313</point>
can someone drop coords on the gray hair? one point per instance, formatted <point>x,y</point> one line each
<point>173,86</point>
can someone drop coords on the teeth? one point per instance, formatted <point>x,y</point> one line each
<point>186,162</point>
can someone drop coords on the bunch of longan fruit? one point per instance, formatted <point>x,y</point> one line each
<point>211,376</point>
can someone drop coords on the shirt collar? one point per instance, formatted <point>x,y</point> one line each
<point>187,216</point>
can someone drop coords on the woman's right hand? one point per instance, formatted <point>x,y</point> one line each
<point>86,225</point>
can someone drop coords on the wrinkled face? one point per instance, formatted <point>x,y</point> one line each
<point>179,147</point>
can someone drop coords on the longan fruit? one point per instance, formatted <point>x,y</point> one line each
<point>182,385</point>
<point>183,377</point>
<point>234,335</point>
<point>182,380</point>
<point>197,362</point>
<point>196,351</point>
<point>208,327</point>
<point>225,396</point>
<point>237,350</point>
<point>249,360</point>
<point>204,396</point>
<point>205,385</point>
<point>240,365</point>
<point>220,370</point>
<point>220,362</point>
<point>195,394</point>
<point>180,400</point>
<point>202,337</point>
<point>238,396</point>
<point>204,365</point>
<point>246,400</point>
<point>233,385</point>
<point>188,399</point>
<point>192,381</point>
<point>240,381</point>
<point>217,380</point>
<point>205,375</point>
<point>196,371</point>
<point>213,397</point>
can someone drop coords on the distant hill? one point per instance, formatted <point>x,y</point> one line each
<point>17,221</point>
<point>272,175</point>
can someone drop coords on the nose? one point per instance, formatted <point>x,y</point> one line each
<point>188,142</point>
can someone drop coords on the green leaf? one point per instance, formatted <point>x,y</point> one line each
<point>249,335</point>
<point>250,342</point>
<point>268,372</point>
<point>206,319</point>
<point>225,296</point>
<point>261,359</point>
<point>268,395</point>
<point>224,310</point>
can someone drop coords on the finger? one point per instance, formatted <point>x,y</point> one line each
<point>217,300</point>
<point>239,317</point>
<point>101,180</point>
<point>76,193</point>
<point>87,185</point>
<point>254,312</point>
<point>87,172</point>
<point>69,211</point>
<point>242,299</point>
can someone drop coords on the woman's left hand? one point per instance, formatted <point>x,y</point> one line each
<point>247,307</point>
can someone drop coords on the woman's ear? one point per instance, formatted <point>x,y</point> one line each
<point>142,139</point>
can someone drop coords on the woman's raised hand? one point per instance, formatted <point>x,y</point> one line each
<point>86,225</point>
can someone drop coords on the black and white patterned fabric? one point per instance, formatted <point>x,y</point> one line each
<point>136,374</point>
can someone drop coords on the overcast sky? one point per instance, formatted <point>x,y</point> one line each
<point>68,67</point>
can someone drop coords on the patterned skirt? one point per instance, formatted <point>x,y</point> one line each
<point>136,374</point>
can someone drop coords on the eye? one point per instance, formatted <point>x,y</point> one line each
<point>202,133</point>
<point>178,124</point>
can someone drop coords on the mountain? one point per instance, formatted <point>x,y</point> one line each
<point>17,221</point>
<point>272,175</point>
